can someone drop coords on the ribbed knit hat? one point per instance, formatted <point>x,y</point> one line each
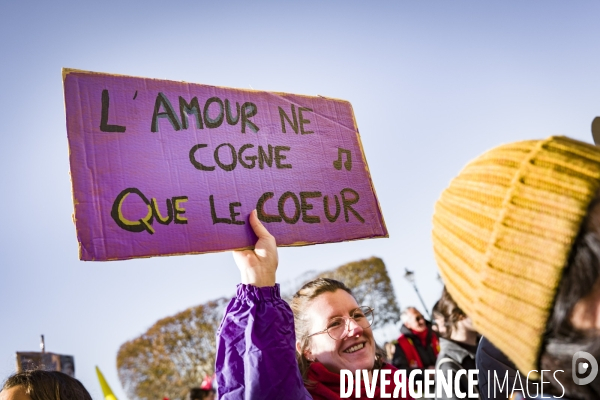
<point>502,235</point>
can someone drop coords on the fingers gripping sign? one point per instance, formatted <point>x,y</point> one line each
<point>258,266</point>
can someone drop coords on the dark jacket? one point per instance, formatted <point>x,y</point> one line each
<point>427,354</point>
<point>454,357</point>
<point>492,363</point>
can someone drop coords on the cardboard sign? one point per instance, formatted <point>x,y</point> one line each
<point>161,167</point>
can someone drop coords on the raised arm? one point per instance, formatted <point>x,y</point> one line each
<point>256,343</point>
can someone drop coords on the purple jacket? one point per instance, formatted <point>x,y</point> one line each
<point>256,357</point>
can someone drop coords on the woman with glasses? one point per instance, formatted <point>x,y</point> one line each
<point>261,356</point>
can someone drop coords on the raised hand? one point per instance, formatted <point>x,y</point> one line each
<point>257,267</point>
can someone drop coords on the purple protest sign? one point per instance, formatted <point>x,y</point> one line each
<point>161,167</point>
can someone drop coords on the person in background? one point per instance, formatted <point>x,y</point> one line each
<point>204,392</point>
<point>390,349</point>
<point>516,237</point>
<point>418,345</point>
<point>457,349</point>
<point>201,394</point>
<point>43,385</point>
<point>265,350</point>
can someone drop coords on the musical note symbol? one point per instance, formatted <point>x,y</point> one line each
<point>337,164</point>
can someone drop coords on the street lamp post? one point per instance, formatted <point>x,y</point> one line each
<point>410,277</point>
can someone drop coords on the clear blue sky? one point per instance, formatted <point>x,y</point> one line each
<point>433,84</point>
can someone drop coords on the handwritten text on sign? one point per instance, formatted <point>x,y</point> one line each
<point>161,167</point>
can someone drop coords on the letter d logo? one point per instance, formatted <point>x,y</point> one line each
<point>581,368</point>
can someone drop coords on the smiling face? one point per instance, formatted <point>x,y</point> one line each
<point>415,320</point>
<point>355,351</point>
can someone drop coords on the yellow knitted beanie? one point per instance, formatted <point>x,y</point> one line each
<point>502,234</point>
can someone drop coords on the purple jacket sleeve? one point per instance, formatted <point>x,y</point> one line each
<point>256,348</point>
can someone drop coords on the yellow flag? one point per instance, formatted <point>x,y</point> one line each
<point>106,390</point>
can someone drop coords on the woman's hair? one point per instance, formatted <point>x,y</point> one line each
<point>435,311</point>
<point>48,385</point>
<point>436,315</point>
<point>299,305</point>
<point>450,311</point>
<point>562,340</point>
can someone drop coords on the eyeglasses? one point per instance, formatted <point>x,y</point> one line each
<point>338,327</point>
